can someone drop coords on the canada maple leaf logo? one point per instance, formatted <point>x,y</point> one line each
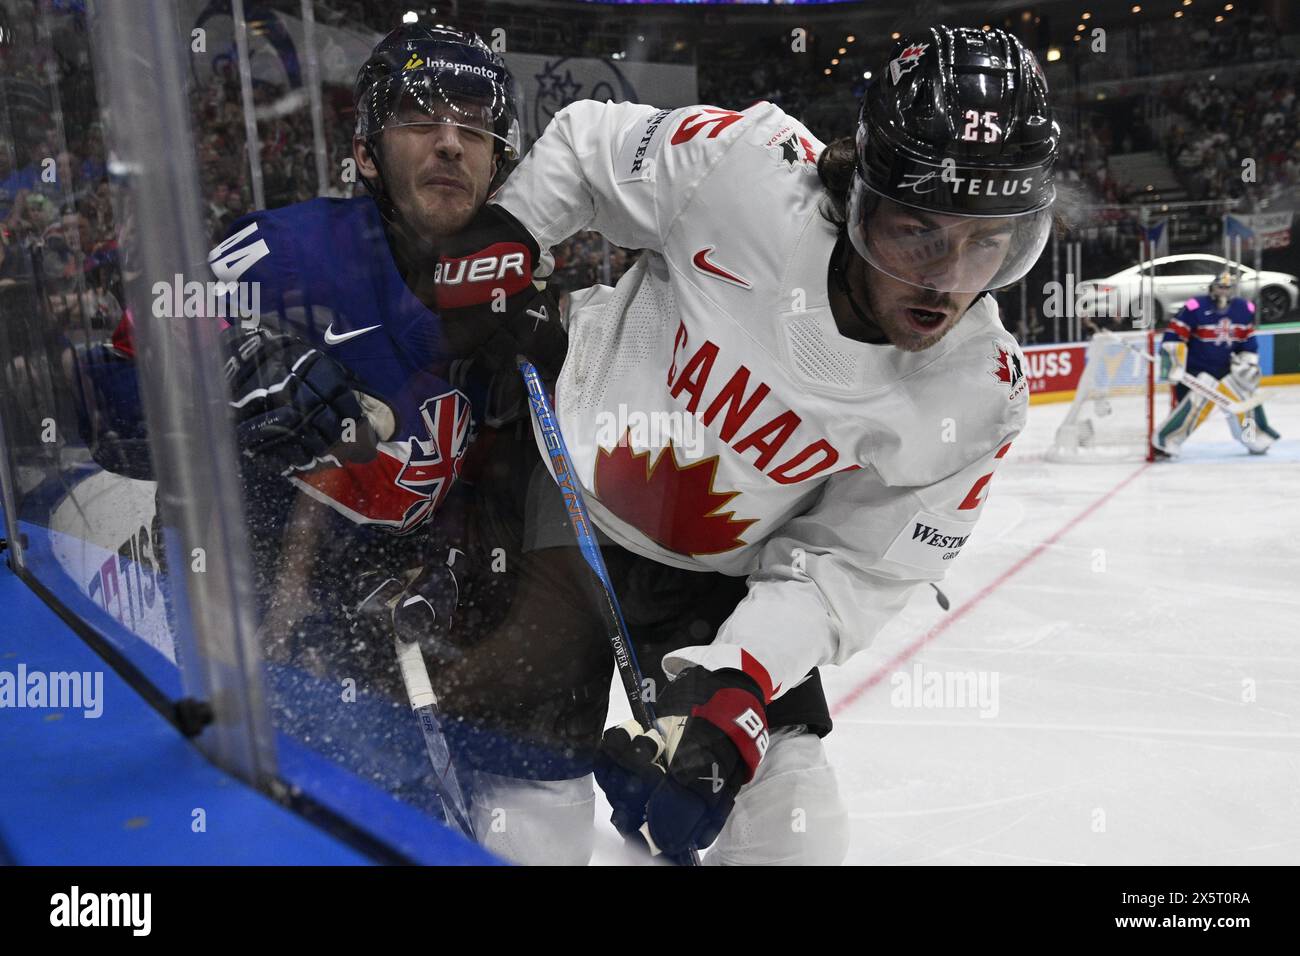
<point>677,508</point>
<point>1007,366</point>
<point>906,60</point>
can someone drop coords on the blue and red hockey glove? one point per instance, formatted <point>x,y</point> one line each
<point>681,785</point>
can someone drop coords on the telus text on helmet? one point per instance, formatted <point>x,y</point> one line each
<point>975,186</point>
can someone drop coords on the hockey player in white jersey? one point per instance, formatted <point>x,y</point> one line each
<point>819,315</point>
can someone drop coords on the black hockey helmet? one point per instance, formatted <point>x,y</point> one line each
<point>452,77</point>
<point>956,128</point>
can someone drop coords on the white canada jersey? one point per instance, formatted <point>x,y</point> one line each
<point>716,417</point>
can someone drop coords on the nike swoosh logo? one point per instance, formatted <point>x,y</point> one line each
<point>701,262</point>
<point>332,339</point>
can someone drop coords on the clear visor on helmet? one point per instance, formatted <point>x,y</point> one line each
<point>944,252</point>
<point>427,98</point>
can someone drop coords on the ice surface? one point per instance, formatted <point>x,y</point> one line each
<point>1141,621</point>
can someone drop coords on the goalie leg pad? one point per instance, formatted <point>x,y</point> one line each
<point>1250,428</point>
<point>1188,415</point>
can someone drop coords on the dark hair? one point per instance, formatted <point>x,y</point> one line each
<point>835,168</point>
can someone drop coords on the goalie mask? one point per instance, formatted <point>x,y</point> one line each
<point>1223,288</point>
<point>952,189</point>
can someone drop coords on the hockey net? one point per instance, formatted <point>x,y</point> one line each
<point>1112,417</point>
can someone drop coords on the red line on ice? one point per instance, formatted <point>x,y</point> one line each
<point>949,619</point>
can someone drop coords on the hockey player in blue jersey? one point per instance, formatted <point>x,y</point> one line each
<point>380,418</point>
<point>1212,339</point>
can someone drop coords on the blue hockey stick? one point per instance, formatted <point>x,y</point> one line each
<point>571,489</point>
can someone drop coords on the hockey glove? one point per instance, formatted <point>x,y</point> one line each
<point>295,406</point>
<point>418,605</point>
<point>1245,372</point>
<point>490,305</point>
<point>682,785</point>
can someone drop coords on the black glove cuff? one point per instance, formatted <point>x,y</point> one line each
<point>695,685</point>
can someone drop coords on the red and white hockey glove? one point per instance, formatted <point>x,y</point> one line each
<point>489,303</point>
<point>682,785</point>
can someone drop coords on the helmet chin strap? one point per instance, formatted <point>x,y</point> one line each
<point>839,274</point>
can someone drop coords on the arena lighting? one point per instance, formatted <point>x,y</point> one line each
<point>1078,37</point>
<point>827,71</point>
<point>1178,14</point>
<point>1086,16</point>
<point>410,16</point>
<point>850,38</point>
<point>843,51</point>
<point>1079,28</point>
<point>1219,18</point>
<point>896,35</point>
<point>1227,6</point>
<point>866,75</point>
<point>1053,54</point>
<point>1136,9</point>
<point>835,62</point>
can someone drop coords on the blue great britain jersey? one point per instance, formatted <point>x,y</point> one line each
<point>1213,334</point>
<point>325,273</point>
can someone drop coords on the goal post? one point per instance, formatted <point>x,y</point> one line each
<point>1113,415</point>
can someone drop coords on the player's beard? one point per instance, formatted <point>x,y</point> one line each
<point>427,213</point>
<point>902,311</point>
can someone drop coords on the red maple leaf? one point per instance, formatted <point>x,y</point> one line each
<point>808,155</point>
<point>675,507</point>
<point>1003,370</point>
